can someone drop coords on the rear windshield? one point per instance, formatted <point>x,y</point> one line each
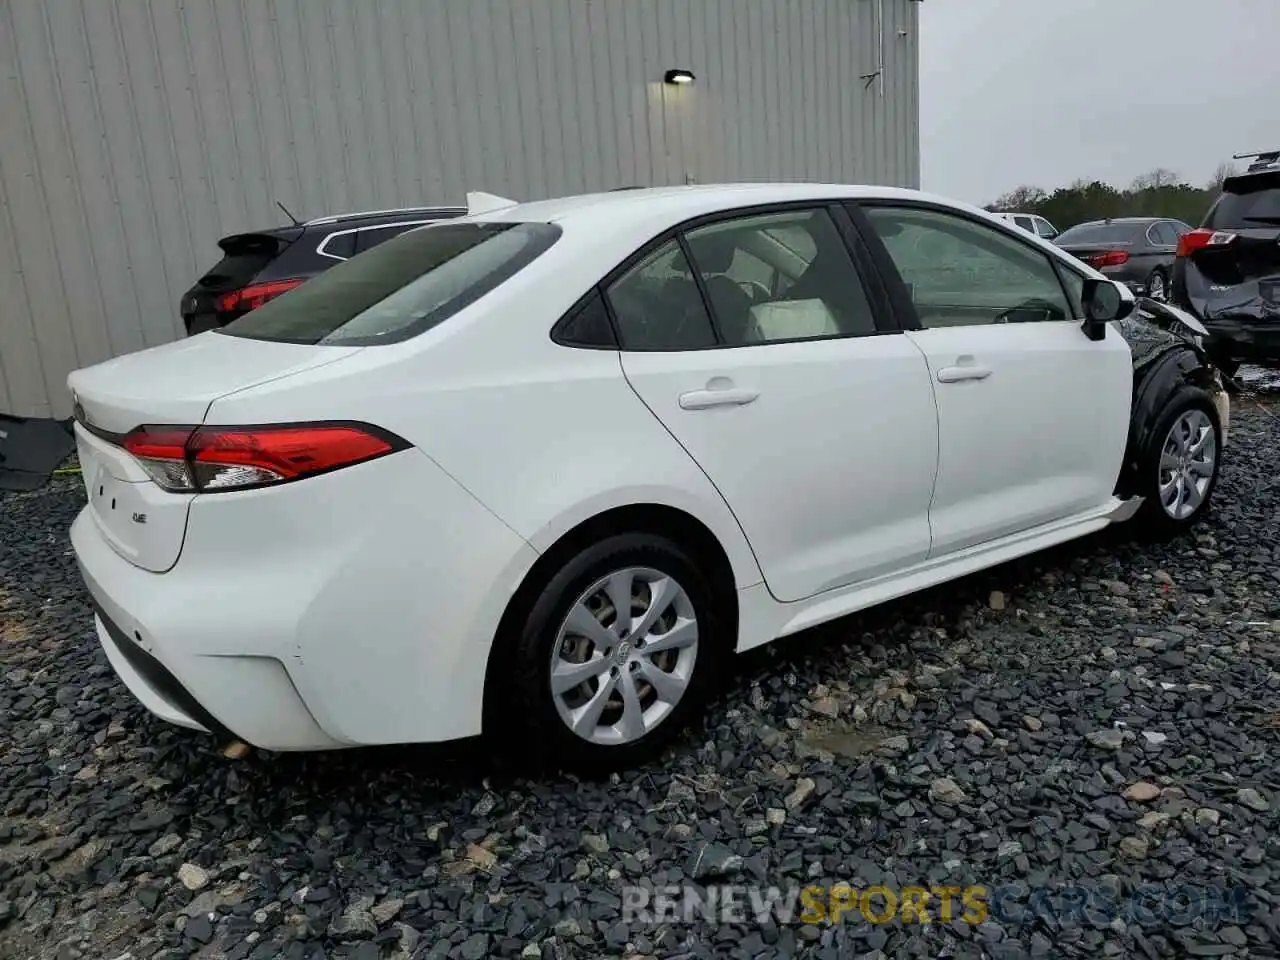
<point>244,255</point>
<point>1247,201</point>
<point>399,288</point>
<point>1098,233</point>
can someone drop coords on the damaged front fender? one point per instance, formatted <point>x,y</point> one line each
<point>1168,354</point>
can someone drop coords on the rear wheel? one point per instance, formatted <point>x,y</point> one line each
<point>614,657</point>
<point>1180,469</point>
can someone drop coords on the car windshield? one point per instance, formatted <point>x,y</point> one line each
<point>1098,233</point>
<point>1246,201</point>
<point>400,288</point>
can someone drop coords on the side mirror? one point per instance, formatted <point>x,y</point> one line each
<point>1104,301</point>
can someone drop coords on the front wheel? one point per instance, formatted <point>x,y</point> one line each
<point>1180,469</point>
<point>614,657</point>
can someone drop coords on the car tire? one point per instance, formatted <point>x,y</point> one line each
<point>1158,281</point>
<point>633,721</point>
<point>1178,472</point>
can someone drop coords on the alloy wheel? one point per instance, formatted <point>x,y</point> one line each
<point>1156,288</point>
<point>624,656</point>
<point>1187,463</point>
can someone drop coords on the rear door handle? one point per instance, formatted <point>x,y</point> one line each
<point>957,374</point>
<point>704,399</point>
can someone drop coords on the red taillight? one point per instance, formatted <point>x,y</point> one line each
<point>198,459</point>
<point>254,295</point>
<point>1195,240</point>
<point>1112,258</point>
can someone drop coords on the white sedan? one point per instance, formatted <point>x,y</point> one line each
<point>537,471</point>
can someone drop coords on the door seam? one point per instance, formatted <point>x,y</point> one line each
<point>937,420</point>
<point>723,499</point>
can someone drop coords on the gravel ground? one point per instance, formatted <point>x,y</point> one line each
<point>1104,716</point>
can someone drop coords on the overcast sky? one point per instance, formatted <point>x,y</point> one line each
<point>1043,92</point>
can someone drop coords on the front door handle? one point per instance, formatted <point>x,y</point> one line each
<point>957,374</point>
<point>704,399</point>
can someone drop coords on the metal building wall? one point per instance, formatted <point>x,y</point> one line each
<point>135,133</point>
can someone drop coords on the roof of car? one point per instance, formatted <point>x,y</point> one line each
<point>391,214</point>
<point>679,203</point>
<point>1133,221</point>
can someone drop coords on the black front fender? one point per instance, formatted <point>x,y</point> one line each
<point>1154,384</point>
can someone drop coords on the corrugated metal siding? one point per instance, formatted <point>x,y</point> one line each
<point>135,133</point>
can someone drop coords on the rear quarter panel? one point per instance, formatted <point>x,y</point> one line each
<point>543,435</point>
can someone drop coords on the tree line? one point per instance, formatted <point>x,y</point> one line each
<point>1160,193</point>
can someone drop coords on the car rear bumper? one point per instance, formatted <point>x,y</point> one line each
<point>354,608</point>
<point>249,698</point>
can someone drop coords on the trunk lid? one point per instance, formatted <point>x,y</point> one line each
<point>172,384</point>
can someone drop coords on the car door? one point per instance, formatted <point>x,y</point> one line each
<point>1032,414</point>
<point>791,389</point>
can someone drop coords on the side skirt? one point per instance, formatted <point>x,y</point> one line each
<point>764,619</point>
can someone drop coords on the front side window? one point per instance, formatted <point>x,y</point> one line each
<point>815,289</point>
<point>1045,228</point>
<point>400,288</point>
<point>657,305</point>
<point>961,273</point>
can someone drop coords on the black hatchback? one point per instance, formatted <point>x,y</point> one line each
<point>1228,271</point>
<point>257,267</point>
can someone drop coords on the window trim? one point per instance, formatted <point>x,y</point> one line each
<point>884,316</point>
<point>897,287</point>
<point>582,303</point>
<point>372,226</point>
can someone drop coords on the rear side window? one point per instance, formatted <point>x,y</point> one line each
<point>807,298</point>
<point>370,238</point>
<point>657,304</point>
<point>341,245</point>
<point>1247,202</point>
<point>400,288</point>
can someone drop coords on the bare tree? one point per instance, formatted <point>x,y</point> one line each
<point>1225,169</point>
<point>1022,198</point>
<point>1154,180</point>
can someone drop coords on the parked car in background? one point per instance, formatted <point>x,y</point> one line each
<point>1032,223</point>
<point>505,474</point>
<point>257,267</point>
<point>1137,251</point>
<point>1227,272</point>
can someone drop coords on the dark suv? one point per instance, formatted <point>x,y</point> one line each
<point>1228,272</point>
<point>256,267</point>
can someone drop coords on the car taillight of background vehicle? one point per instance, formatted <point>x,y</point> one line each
<point>1112,258</point>
<point>211,459</point>
<point>1199,239</point>
<point>254,295</point>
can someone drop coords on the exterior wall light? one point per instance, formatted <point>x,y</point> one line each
<point>678,77</point>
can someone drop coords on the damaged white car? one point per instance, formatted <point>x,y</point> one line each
<point>536,472</point>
